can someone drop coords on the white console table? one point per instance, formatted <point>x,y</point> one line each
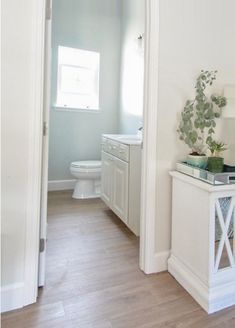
<point>203,265</point>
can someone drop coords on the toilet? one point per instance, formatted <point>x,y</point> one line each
<point>88,175</point>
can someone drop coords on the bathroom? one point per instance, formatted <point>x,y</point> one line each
<point>112,29</point>
<point>97,46</point>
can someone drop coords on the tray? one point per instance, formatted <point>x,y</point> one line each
<point>225,178</point>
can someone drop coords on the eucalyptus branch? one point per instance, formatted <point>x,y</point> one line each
<point>198,118</point>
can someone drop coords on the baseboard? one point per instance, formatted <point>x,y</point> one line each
<point>12,297</point>
<point>222,297</point>
<point>158,263</point>
<point>189,281</point>
<point>217,298</point>
<point>161,261</point>
<point>56,185</point>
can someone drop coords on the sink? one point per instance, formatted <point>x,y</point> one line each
<point>130,139</point>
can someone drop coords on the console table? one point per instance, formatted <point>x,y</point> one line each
<point>202,264</point>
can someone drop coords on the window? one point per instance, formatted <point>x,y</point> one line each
<point>78,79</point>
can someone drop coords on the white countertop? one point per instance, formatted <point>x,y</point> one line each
<point>128,139</point>
<point>201,184</point>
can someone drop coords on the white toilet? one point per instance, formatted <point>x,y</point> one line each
<point>88,175</point>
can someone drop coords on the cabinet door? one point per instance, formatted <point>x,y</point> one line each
<point>106,178</point>
<point>120,189</point>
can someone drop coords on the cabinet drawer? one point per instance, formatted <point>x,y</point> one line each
<point>123,152</point>
<point>116,149</point>
<point>113,148</point>
<point>110,146</point>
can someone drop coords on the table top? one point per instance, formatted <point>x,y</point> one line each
<point>201,184</point>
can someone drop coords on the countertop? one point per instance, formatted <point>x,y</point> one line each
<point>128,139</point>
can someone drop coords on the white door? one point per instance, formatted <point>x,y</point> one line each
<point>120,189</point>
<point>43,219</point>
<point>106,178</point>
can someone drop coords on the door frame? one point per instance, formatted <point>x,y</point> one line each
<point>149,159</point>
<point>32,233</point>
<point>45,146</point>
<point>148,257</point>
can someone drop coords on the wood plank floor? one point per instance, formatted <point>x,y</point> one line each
<point>93,279</point>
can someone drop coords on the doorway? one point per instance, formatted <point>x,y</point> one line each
<point>84,107</point>
<point>148,258</point>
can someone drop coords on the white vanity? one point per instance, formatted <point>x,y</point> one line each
<point>121,177</point>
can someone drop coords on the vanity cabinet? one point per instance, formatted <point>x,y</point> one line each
<point>120,181</point>
<point>114,185</point>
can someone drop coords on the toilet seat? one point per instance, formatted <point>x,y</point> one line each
<point>86,165</point>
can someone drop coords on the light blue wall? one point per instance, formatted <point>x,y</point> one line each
<point>132,66</point>
<point>91,25</point>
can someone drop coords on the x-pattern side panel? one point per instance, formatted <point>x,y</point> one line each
<point>224,241</point>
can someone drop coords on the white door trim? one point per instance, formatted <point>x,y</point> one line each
<point>35,154</point>
<point>148,257</point>
<point>45,147</point>
<point>148,262</point>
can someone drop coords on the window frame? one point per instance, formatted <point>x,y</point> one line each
<point>70,108</point>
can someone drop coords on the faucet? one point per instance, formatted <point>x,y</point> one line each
<point>140,131</point>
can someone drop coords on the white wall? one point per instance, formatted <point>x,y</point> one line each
<point>16,93</point>
<point>228,136</point>
<point>90,25</point>
<point>132,66</point>
<point>194,35</point>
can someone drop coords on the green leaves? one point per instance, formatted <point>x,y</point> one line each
<point>220,101</point>
<point>193,136</point>
<point>198,118</point>
<point>216,147</point>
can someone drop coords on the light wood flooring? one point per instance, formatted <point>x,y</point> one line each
<point>93,279</point>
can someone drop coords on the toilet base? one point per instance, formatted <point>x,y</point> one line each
<point>86,189</point>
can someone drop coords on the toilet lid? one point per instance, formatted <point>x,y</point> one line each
<point>87,164</point>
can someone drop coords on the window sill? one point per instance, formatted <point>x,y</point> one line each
<point>76,109</point>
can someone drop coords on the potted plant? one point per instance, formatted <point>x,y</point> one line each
<point>215,161</point>
<point>198,119</point>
